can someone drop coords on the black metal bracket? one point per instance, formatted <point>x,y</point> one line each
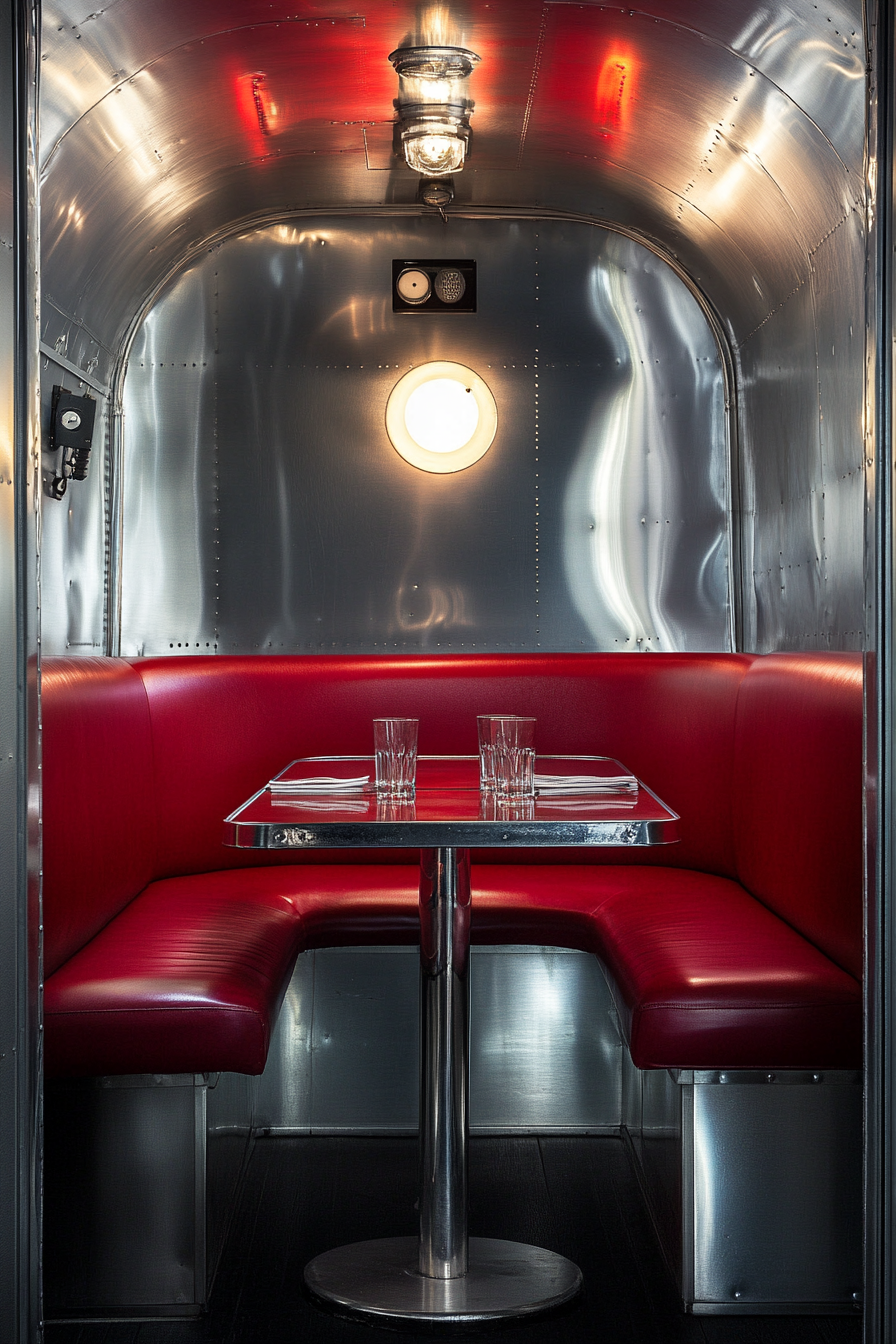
<point>71,431</point>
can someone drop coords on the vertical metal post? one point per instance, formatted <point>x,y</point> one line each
<point>880,691</point>
<point>444,1060</point>
<point>20,1092</point>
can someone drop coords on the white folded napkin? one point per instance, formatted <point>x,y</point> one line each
<point>318,784</point>
<point>580,803</point>
<point>575,784</point>
<point>309,802</point>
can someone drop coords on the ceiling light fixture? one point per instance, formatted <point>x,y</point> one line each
<point>433,107</point>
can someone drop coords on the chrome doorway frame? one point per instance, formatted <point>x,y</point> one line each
<point>19,644</point>
<point>880,691</point>
<point>20,1070</point>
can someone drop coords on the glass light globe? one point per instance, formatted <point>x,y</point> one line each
<point>434,155</point>
<point>442,415</point>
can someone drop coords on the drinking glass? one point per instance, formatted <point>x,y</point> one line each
<point>514,750</point>
<point>486,724</point>
<point>395,749</point>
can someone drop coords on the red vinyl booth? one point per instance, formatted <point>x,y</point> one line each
<point>739,947</point>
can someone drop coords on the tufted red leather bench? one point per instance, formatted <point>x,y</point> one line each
<point>741,946</point>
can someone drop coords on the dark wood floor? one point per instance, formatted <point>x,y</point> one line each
<point>577,1195</point>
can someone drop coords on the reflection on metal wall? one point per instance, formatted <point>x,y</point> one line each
<point>803,458</point>
<point>264,507</point>
<point>739,150</point>
<point>545,1048</point>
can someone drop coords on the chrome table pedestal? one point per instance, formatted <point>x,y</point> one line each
<point>443,1275</point>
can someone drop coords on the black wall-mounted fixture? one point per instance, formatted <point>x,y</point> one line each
<point>71,432</point>
<point>433,286</point>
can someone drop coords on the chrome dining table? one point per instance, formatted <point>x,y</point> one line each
<point>443,1275</point>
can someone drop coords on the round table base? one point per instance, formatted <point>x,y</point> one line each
<point>380,1280</point>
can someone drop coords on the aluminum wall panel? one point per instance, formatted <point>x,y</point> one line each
<point>151,147</point>
<point>739,149</point>
<point>756,145</point>
<point>545,1049</point>
<point>802,459</point>
<point>782,479</point>
<point>169,472</point>
<point>138,1243</point>
<point>804,1247</point>
<point>364,1040</point>
<point>633,422</point>
<point>264,507</point>
<point>840,326</point>
<point>68,337</point>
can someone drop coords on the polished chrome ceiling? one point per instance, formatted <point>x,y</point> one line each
<point>726,134</point>
<point>729,133</point>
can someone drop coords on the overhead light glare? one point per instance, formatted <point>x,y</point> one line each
<point>434,149</point>
<point>433,107</point>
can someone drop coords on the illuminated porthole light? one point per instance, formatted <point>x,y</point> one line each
<point>441,417</point>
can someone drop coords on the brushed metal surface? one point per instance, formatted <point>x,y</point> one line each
<point>777,1191</point>
<point>283,1091</point>
<point>227,1137</point>
<point>265,509</point>
<point>739,152</point>
<point>545,1050</point>
<point>125,1166</point>
<point>378,1281</point>
<point>803,508</point>
<point>136,145</point>
<point>20,918</point>
<point>653,1126</point>
<point>754,1182</point>
<point>364,1040</point>
<point>147,1169</point>
<point>838,292</point>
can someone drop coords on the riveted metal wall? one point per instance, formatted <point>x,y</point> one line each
<point>803,457</point>
<point>737,148</point>
<point>265,508</point>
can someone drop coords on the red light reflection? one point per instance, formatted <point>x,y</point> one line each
<point>614,92</point>
<point>265,109</point>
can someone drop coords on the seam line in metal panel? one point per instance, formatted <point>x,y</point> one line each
<point>530,98</point>
<point>56,358</point>
<point>476,213</point>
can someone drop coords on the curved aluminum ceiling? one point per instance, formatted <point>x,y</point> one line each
<point>732,138</point>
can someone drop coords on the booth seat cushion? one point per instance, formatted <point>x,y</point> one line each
<point>187,979</point>
<point>708,977</point>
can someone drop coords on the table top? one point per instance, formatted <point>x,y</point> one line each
<point>448,810</point>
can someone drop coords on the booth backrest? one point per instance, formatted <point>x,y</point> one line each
<point>798,799</point>
<point>222,726</point>
<point>99,810</point>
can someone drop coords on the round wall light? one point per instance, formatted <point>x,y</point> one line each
<point>441,417</point>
